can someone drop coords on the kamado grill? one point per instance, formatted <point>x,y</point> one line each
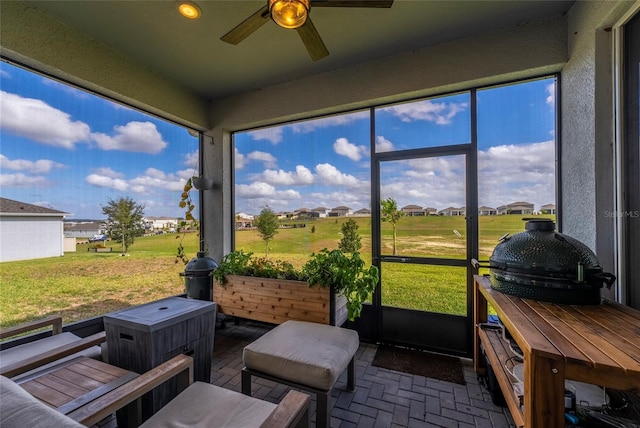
<point>542,264</point>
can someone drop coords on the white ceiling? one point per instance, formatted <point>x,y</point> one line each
<point>190,52</point>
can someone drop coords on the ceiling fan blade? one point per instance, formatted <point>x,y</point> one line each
<point>352,3</point>
<point>248,26</point>
<point>312,41</point>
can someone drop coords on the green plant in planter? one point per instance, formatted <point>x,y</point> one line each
<point>347,274</point>
<point>241,263</point>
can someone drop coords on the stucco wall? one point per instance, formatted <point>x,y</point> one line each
<point>505,54</point>
<point>588,129</point>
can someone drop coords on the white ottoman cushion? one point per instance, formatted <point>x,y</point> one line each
<point>206,405</point>
<point>303,352</point>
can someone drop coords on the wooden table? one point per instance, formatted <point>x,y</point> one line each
<point>597,344</point>
<point>72,384</point>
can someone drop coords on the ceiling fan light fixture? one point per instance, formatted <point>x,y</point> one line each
<point>189,9</point>
<point>289,13</point>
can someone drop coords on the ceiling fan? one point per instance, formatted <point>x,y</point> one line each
<point>294,14</point>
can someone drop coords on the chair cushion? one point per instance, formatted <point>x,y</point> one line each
<point>307,353</point>
<point>206,405</point>
<point>20,409</point>
<point>26,350</point>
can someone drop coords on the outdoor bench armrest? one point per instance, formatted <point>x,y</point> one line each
<point>11,370</point>
<point>55,321</point>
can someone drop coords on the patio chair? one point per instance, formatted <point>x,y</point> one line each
<point>197,404</point>
<point>20,359</point>
<point>19,409</point>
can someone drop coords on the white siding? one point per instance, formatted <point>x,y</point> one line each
<point>25,238</point>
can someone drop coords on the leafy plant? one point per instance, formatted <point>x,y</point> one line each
<point>347,274</point>
<point>185,200</point>
<point>241,263</point>
<point>187,204</point>
<point>350,241</point>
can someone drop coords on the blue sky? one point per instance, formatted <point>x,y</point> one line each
<point>325,162</point>
<point>69,150</point>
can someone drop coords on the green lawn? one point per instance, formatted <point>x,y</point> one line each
<point>84,284</point>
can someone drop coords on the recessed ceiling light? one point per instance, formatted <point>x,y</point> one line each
<point>189,9</point>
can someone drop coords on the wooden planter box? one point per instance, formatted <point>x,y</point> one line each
<point>276,301</point>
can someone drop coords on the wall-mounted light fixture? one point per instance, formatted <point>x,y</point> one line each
<point>189,9</point>
<point>289,13</point>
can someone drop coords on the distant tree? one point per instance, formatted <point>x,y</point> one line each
<point>124,221</point>
<point>267,225</point>
<point>390,212</point>
<point>350,242</point>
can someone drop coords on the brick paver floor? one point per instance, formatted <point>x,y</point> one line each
<point>383,398</point>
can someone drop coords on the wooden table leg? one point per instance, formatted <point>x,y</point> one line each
<point>480,315</point>
<point>543,391</point>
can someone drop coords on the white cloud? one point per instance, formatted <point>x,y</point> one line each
<point>191,159</point>
<point>153,179</point>
<point>551,94</point>
<point>302,175</point>
<point>41,166</point>
<point>107,182</point>
<point>273,135</point>
<point>262,190</point>
<point>239,159</point>
<point>255,190</point>
<point>108,172</point>
<point>447,167</point>
<point>440,113</point>
<point>183,175</point>
<point>267,158</point>
<point>383,145</point>
<point>133,137</point>
<point>508,173</point>
<point>148,182</point>
<point>330,175</point>
<point>22,180</point>
<point>307,126</point>
<point>343,147</point>
<point>354,200</point>
<point>36,120</point>
<point>427,182</point>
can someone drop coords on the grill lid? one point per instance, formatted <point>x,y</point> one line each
<point>542,264</point>
<point>540,248</point>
